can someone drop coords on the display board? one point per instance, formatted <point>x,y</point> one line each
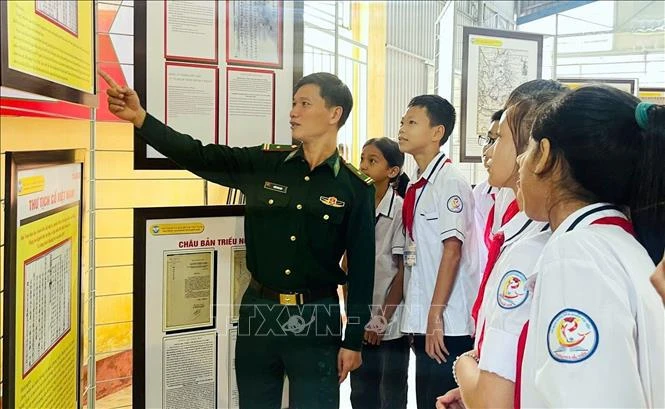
<point>653,95</point>
<point>48,48</point>
<point>221,72</point>
<point>190,273</point>
<point>41,319</point>
<point>628,85</point>
<point>494,62</point>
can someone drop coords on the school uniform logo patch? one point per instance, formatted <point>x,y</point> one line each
<point>455,204</point>
<point>572,336</point>
<point>512,291</point>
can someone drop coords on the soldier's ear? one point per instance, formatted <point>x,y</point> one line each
<point>335,115</point>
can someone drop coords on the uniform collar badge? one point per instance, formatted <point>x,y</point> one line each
<point>331,201</point>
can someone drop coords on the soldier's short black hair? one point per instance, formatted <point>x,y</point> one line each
<point>439,112</point>
<point>332,90</point>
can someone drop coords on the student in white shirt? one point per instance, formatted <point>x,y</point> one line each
<point>441,257</point>
<point>595,333</point>
<point>381,380</point>
<point>484,194</point>
<point>505,205</point>
<point>486,375</point>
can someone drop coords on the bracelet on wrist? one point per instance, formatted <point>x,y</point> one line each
<point>470,354</point>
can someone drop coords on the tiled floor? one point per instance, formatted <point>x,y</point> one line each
<point>123,398</point>
<point>345,388</point>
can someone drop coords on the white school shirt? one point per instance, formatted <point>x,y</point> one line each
<point>444,209</point>
<point>595,335</point>
<point>483,198</point>
<point>507,300</point>
<point>518,228</point>
<point>389,242</point>
<point>502,200</point>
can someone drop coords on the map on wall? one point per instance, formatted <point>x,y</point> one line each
<point>500,70</point>
<point>494,63</point>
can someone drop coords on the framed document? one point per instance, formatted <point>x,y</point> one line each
<point>628,85</point>
<point>189,371</point>
<point>189,282</point>
<point>233,396</point>
<point>190,30</point>
<point>42,280</point>
<point>179,254</point>
<point>250,107</point>
<point>654,95</point>
<point>254,33</point>
<point>240,278</point>
<point>48,48</point>
<point>494,62</point>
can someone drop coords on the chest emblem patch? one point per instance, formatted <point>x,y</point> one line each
<point>331,201</point>
<point>512,290</point>
<point>572,336</point>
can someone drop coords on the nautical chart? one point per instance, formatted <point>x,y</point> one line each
<point>500,70</point>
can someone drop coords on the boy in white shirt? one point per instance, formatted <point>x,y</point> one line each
<point>441,257</point>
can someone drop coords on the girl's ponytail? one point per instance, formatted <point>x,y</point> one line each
<point>648,196</point>
<point>400,184</point>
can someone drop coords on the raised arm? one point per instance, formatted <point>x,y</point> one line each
<point>217,163</point>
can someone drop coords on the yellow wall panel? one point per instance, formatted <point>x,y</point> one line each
<point>2,176</point>
<point>113,252</point>
<point>25,134</point>
<point>120,165</point>
<point>2,222</point>
<point>113,280</point>
<point>113,308</point>
<point>217,194</point>
<point>2,268</point>
<point>148,193</point>
<point>114,136</point>
<point>85,323</point>
<point>113,337</point>
<point>376,63</point>
<point>114,223</point>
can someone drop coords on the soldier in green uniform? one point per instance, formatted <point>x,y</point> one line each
<point>305,208</point>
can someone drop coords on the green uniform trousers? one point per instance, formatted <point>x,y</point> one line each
<point>299,341</point>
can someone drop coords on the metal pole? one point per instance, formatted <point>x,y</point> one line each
<point>556,45</point>
<point>336,57</point>
<point>453,4</point>
<point>91,266</point>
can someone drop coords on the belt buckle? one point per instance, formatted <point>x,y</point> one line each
<point>288,299</point>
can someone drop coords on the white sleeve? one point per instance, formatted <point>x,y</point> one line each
<point>584,334</point>
<point>499,353</point>
<point>398,240</point>
<point>511,304</point>
<point>455,208</point>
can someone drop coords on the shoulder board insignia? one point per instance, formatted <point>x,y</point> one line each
<point>366,179</point>
<point>272,147</point>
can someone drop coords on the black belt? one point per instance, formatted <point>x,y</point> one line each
<point>292,298</point>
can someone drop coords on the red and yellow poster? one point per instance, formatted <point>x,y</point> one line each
<point>46,342</point>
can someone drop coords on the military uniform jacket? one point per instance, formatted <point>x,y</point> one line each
<point>298,222</point>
